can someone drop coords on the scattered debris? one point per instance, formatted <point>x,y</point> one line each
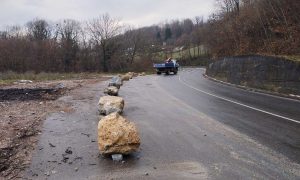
<point>76,169</point>
<point>47,173</point>
<point>51,145</point>
<point>24,81</point>
<point>65,158</point>
<point>88,135</point>
<point>59,86</point>
<point>68,150</point>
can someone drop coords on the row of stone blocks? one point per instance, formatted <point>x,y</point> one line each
<point>116,135</point>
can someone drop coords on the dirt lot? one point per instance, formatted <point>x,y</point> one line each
<point>23,108</point>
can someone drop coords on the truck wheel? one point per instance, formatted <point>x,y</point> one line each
<point>175,72</point>
<point>167,72</point>
<point>158,72</point>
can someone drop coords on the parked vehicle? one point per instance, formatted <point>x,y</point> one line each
<point>169,66</point>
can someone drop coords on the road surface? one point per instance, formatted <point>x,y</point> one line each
<point>190,127</point>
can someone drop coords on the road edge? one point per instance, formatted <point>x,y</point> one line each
<point>290,97</point>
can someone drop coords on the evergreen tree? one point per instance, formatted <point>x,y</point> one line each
<point>168,33</point>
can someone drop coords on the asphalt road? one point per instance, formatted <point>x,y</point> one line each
<point>271,120</point>
<point>190,127</point>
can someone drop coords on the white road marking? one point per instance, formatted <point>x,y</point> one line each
<point>244,105</point>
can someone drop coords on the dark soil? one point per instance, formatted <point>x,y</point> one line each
<point>16,94</point>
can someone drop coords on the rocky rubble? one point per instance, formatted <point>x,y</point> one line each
<point>116,135</point>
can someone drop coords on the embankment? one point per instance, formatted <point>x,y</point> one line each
<point>262,72</point>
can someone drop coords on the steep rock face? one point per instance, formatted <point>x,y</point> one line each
<point>264,72</point>
<point>116,135</point>
<point>110,104</point>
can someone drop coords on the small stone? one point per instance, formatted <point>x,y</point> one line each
<point>51,145</point>
<point>154,167</point>
<point>146,174</point>
<point>65,159</point>
<point>117,157</point>
<point>47,173</point>
<point>68,150</point>
<point>53,172</point>
<point>76,169</point>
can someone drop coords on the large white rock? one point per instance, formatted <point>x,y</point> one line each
<point>116,135</point>
<point>112,91</point>
<point>110,104</point>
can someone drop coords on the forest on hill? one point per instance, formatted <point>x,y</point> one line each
<point>102,44</point>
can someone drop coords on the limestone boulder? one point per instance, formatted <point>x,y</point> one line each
<point>135,74</point>
<point>130,74</point>
<point>116,135</point>
<point>116,81</point>
<point>125,77</point>
<point>142,74</point>
<point>110,104</point>
<point>112,91</point>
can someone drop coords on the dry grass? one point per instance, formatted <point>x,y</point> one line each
<point>10,77</point>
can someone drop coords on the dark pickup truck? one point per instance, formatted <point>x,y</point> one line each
<point>167,67</point>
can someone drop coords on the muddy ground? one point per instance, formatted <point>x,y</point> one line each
<point>23,109</point>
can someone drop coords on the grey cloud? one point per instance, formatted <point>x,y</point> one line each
<point>135,12</point>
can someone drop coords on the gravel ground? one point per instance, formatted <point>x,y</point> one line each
<point>24,107</point>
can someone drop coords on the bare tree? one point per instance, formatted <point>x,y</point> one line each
<point>38,29</point>
<point>102,31</point>
<point>133,40</point>
<point>68,33</point>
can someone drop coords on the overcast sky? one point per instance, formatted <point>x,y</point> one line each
<point>138,13</point>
